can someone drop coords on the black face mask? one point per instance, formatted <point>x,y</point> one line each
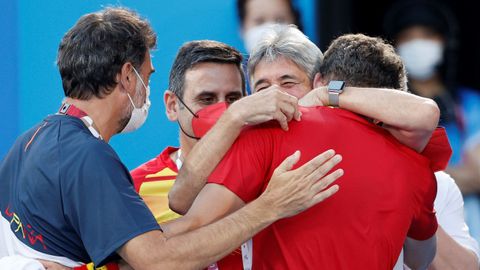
<point>180,125</point>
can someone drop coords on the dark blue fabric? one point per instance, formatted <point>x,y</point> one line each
<point>70,193</point>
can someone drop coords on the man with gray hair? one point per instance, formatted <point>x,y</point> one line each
<point>285,45</point>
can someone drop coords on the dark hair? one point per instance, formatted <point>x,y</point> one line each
<point>435,16</point>
<point>202,51</point>
<point>242,12</point>
<point>94,50</point>
<point>363,61</point>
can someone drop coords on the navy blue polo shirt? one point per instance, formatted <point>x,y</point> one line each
<point>66,193</point>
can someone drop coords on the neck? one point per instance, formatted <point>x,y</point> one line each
<point>186,144</point>
<point>428,88</point>
<point>102,112</point>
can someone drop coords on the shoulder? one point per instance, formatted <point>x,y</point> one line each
<point>162,167</point>
<point>447,191</point>
<point>446,186</point>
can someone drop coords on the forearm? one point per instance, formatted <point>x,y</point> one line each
<point>451,255</point>
<point>410,118</point>
<point>199,248</point>
<point>395,108</point>
<point>202,160</point>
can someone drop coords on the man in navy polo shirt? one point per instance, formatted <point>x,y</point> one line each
<point>65,195</point>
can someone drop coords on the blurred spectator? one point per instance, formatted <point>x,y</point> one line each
<point>254,15</point>
<point>425,33</point>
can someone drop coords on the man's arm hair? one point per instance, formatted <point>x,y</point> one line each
<point>408,117</point>
<point>270,104</point>
<point>304,187</point>
<point>197,248</point>
<point>201,161</point>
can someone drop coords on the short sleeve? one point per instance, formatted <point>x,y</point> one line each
<point>438,150</point>
<point>449,207</point>
<point>102,205</point>
<point>244,168</point>
<point>424,224</point>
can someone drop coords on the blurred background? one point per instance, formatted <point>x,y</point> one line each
<point>30,85</point>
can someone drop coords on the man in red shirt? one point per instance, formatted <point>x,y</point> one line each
<point>200,87</point>
<point>384,196</point>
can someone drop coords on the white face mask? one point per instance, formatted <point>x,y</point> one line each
<point>139,115</point>
<point>421,57</point>
<point>254,35</point>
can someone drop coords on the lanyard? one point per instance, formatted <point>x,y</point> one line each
<point>247,256</point>
<point>71,110</point>
<point>178,160</point>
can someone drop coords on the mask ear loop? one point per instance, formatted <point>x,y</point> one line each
<point>194,115</point>
<point>183,103</point>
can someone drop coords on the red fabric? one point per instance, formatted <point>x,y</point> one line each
<point>438,150</point>
<point>153,166</point>
<point>162,161</point>
<point>71,110</point>
<point>386,193</point>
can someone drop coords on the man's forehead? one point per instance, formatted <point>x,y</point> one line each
<point>213,78</point>
<point>279,68</point>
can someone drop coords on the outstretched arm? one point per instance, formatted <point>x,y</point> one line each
<point>270,104</point>
<point>408,117</point>
<point>199,247</point>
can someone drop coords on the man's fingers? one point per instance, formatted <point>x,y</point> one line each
<point>326,181</point>
<point>282,120</point>
<point>288,163</point>
<point>324,168</point>
<point>297,115</point>
<point>314,164</point>
<point>321,196</point>
<point>288,110</point>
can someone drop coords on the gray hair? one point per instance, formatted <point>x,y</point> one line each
<point>287,41</point>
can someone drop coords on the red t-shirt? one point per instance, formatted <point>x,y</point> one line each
<point>386,193</point>
<point>153,180</point>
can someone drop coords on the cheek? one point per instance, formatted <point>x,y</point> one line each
<point>185,118</point>
<point>298,92</point>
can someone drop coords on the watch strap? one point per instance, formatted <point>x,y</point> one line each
<point>333,98</point>
<point>335,88</point>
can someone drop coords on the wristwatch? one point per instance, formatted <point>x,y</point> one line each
<point>335,88</point>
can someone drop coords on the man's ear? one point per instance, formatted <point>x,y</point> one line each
<point>319,81</point>
<point>170,100</point>
<point>126,79</point>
